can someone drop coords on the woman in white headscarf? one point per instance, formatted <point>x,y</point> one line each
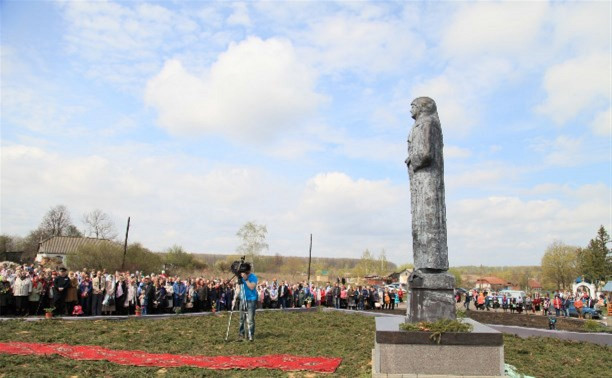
<point>108,304</point>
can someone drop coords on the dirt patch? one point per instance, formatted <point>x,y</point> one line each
<point>522,320</point>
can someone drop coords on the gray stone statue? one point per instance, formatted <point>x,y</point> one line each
<point>426,171</point>
<point>431,287</point>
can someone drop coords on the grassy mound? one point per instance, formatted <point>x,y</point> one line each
<point>328,334</point>
<point>548,357</point>
<point>331,334</point>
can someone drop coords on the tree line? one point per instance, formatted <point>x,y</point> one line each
<point>562,263</point>
<point>251,243</point>
<point>58,222</point>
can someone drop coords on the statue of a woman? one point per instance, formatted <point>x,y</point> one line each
<point>426,171</point>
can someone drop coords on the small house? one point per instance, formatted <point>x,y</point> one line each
<point>492,284</point>
<point>534,286</point>
<point>56,248</point>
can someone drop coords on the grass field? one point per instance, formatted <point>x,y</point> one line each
<point>317,333</point>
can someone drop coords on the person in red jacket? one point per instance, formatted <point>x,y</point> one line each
<point>557,304</point>
<point>578,304</point>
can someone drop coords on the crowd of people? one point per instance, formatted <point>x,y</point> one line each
<point>27,290</point>
<point>558,303</point>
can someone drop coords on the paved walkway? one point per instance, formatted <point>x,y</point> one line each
<point>144,317</point>
<point>524,332</point>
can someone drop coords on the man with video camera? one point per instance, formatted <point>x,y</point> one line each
<point>248,285</point>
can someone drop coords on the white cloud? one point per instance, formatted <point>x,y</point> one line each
<point>156,189</point>
<point>477,177</point>
<point>488,46</point>
<point>123,43</point>
<point>566,151</point>
<point>255,90</point>
<point>461,92</point>
<point>500,29</point>
<point>374,148</point>
<point>602,123</point>
<point>517,230</point>
<point>582,26</point>
<point>562,151</point>
<point>357,38</point>
<point>210,16</point>
<point>576,85</point>
<point>204,203</point>
<point>178,199</point>
<point>488,57</point>
<point>338,195</point>
<point>455,152</point>
<point>363,43</point>
<point>37,109</point>
<point>240,15</point>
<point>292,148</point>
<point>495,148</point>
<point>348,215</point>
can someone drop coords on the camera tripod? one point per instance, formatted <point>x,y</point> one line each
<point>243,310</point>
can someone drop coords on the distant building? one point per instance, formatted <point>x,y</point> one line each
<point>534,285</point>
<point>56,248</point>
<point>374,280</point>
<point>493,284</point>
<point>401,277</point>
<point>324,278</point>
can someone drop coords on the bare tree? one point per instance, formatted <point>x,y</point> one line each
<point>253,238</point>
<point>57,222</point>
<point>99,224</point>
<point>384,264</point>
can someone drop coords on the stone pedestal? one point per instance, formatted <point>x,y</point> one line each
<point>402,353</point>
<point>431,297</point>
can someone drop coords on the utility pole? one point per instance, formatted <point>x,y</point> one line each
<point>309,259</point>
<point>127,230</point>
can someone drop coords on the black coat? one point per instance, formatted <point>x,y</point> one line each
<point>202,293</point>
<point>61,282</point>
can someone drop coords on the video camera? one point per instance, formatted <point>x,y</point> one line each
<point>239,266</point>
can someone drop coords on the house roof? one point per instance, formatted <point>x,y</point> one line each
<point>492,281</point>
<point>534,284</point>
<point>63,245</point>
<point>400,272</point>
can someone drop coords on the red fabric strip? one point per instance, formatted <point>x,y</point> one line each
<point>139,358</point>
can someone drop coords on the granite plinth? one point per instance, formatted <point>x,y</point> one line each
<point>431,280</point>
<point>431,296</point>
<point>402,352</point>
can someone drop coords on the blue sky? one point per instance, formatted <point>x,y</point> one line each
<point>195,117</point>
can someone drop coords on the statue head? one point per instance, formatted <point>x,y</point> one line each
<point>421,106</point>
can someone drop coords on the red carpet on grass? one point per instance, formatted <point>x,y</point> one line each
<point>139,358</point>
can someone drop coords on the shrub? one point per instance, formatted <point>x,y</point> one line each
<point>109,256</point>
<point>593,326</point>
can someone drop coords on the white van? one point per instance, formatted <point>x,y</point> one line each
<point>514,294</point>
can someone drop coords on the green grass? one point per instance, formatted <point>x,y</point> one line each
<point>548,357</point>
<point>595,326</point>
<point>317,333</point>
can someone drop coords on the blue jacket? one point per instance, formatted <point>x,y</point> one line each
<point>180,290</point>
